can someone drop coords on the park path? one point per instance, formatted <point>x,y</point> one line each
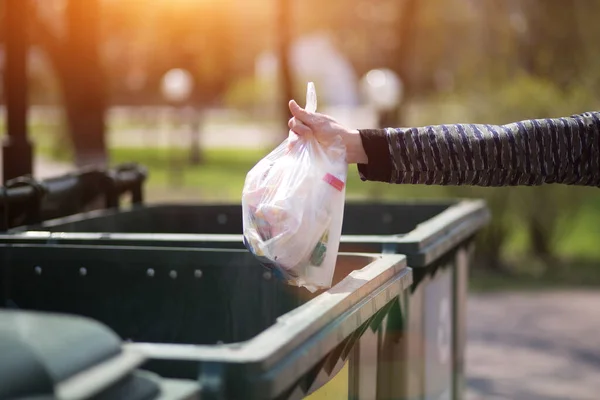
<point>534,346</point>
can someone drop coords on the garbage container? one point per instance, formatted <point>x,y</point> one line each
<point>48,354</point>
<point>435,236</point>
<point>217,315</point>
<point>26,201</point>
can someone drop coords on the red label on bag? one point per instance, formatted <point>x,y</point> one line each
<point>333,181</point>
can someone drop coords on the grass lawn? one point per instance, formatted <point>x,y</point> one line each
<point>222,175</point>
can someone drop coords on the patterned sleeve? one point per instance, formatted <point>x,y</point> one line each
<point>531,152</point>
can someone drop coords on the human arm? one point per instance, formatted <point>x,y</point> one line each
<point>530,152</point>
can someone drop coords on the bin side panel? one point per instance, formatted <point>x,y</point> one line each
<point>394,362</point>
<point>387,219</point>
<point>463,260</point>
<point>214,219</point>
<point>438,335</point>
<point>415,385</point>
<point>163,296</point>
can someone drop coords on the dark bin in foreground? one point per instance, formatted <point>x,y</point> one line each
<point>218,316</point>
<point>435,236</point>
<point>48,355</point>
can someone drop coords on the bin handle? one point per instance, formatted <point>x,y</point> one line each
<point>33,211</point>
<point>128,177</point>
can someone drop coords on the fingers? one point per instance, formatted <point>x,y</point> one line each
<point>300,113</point>
<point>298,127</point>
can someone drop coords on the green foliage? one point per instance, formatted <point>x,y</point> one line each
<point>249,93</point>
<point>526,96</point>
<point>532,220</point>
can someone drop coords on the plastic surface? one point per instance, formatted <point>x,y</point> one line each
<point>293,205</point>
<point>67,357</point>
<point>423,231</point>
<point>26,201</point>
<point>51,337</point>
<point>211,315</point>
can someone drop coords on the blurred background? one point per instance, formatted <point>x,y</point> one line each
<point>197,91</point>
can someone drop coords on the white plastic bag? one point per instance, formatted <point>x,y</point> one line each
<point>293,206</point>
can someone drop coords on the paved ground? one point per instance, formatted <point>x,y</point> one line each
<point>534,346</point>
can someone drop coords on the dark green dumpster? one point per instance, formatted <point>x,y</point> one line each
<point>435,236</point>
<point>216,315</point>
<point>26,201</point>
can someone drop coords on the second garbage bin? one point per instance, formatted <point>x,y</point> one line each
<point>435,236</point>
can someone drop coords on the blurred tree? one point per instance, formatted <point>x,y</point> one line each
<point>284,35</point>
<point>113,51</point>
<point>492,240</point>
<point>74,55</point>
<point>553,45</point>
<point>145,39</point>
<point>401,59</point>
<point>407,32</point>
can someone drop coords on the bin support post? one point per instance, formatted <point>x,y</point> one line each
<point>17,152</point>
<point>462,262</point>
<point>392,378</point>
<point>363,369</point>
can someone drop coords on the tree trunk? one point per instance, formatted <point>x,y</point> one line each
<point>407,35</point>
<point>85,122</point>
<point>76,61</point>
<point>554,40</point>
<point>489,248</point>
<point>84,83</point>
<point>284,34</point>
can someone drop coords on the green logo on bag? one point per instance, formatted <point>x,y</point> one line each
<point>318,255</point>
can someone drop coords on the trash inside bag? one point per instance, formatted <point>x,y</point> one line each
<point>293,206</point>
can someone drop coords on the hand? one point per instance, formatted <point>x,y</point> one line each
<point>326,129</point>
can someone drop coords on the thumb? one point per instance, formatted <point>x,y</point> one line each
<point>300,113</point>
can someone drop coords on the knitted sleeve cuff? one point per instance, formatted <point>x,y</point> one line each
<point>379,168</point>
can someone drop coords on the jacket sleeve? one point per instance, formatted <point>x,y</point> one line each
<point>530,152</point>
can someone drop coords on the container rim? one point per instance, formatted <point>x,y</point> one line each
<point>424,244</point>
<point>328,313</point>
<point>452,203</point>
